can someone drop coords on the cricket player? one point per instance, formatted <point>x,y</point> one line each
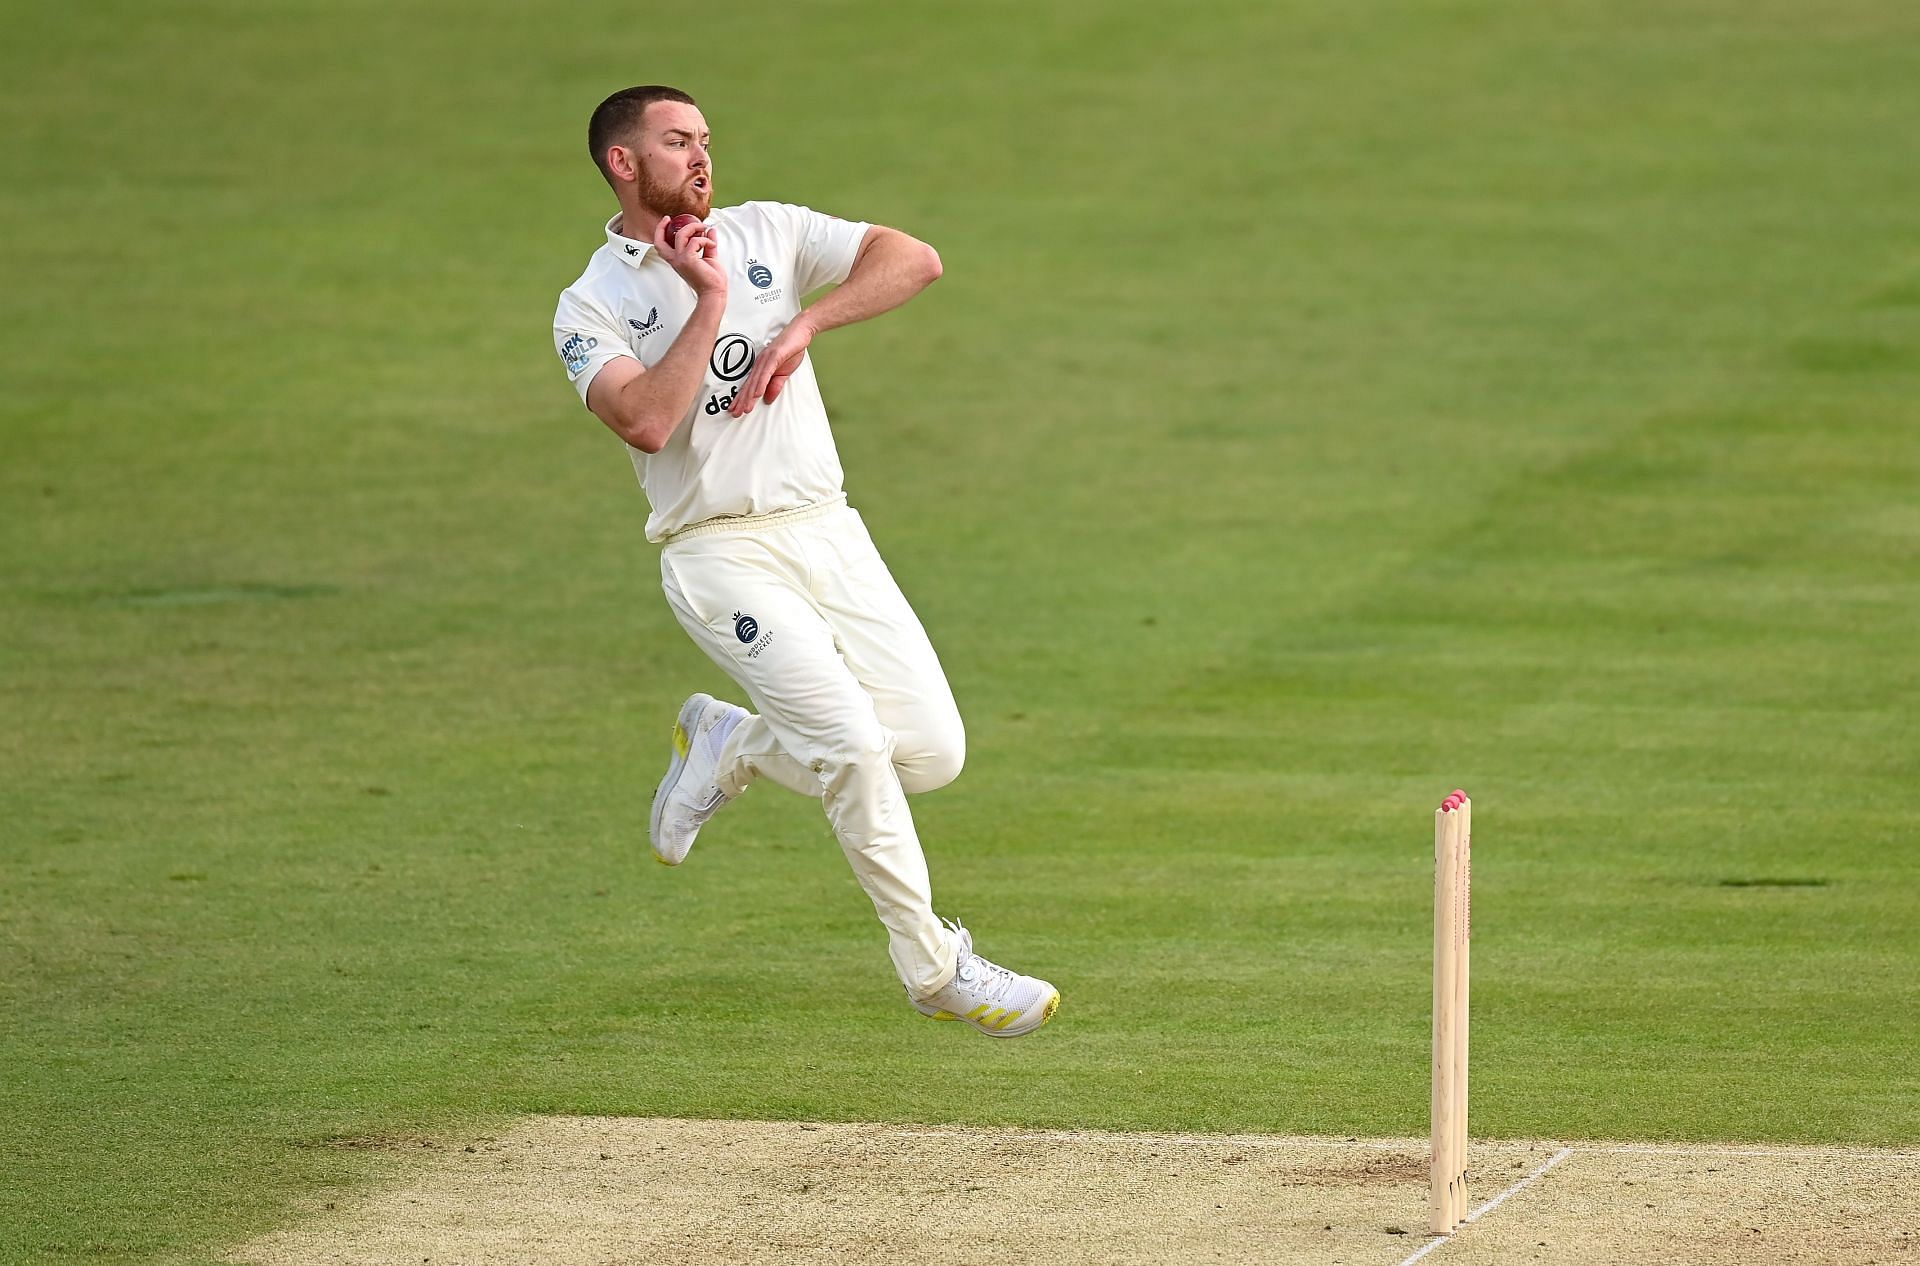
<point>688,339</point>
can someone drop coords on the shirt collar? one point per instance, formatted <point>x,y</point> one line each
<point>632,250</point>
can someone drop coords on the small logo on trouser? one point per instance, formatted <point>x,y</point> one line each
<point>751,635</point>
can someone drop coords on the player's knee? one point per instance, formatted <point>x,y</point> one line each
<point>857,757</point>
<point>936,762</point>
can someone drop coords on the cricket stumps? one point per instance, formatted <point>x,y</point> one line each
<point>1452,934</point>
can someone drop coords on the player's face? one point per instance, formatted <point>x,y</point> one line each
<point>674,165</point>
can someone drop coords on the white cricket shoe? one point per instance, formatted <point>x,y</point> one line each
<point>998,1002</point>
<point>688,795</point>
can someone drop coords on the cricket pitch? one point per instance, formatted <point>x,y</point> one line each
<point>586,1190</point>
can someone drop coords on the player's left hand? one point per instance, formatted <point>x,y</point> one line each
<point>775,364</point>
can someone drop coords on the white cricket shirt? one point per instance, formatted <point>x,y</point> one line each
<point>630,302</point>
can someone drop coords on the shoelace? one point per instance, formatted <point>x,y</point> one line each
<point>984,979</point>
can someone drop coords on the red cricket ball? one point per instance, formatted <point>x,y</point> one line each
<point>679,222</point>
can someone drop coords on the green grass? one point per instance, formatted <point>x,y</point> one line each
<point>1322,408</point>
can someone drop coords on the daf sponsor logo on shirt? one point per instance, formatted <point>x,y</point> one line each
<point>732,358</point>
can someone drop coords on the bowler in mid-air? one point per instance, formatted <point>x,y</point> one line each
<point>687,337</point>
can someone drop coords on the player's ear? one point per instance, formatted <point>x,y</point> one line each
<point>622,162</point>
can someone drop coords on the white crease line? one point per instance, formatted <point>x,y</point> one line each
<point>1528,1181</point>
<point>1430,1245</point>
<point>1491,1205</point>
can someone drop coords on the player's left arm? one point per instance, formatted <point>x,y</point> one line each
<point>890,268</point>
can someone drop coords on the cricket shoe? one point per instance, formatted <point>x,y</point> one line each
<point>688,795</point>
<point>998,1002</point>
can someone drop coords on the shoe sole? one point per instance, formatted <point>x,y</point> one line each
<point>1047,1009</point>
<point>683,726</point>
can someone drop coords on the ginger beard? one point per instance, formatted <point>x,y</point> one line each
<point>679,196</point>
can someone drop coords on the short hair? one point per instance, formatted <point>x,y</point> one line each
<point>618,117</point>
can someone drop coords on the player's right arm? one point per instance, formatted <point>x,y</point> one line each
<point>645,406</point>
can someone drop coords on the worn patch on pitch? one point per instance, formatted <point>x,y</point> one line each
<point>605,1190</point>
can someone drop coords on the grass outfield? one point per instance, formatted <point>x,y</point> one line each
<point>1321,409</point>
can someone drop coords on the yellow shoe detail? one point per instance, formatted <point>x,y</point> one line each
<point>976,1012</point>
<point>680,742</point>
<point>1007,1019</point>
<point>943,1015</point>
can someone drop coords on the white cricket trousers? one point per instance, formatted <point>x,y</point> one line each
<point>853,708</point>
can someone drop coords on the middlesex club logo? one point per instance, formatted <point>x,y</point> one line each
<point>761,276</point>
<point>751,635</point>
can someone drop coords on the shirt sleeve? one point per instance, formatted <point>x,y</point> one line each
<point>586,336</point>
<point>824,247</point>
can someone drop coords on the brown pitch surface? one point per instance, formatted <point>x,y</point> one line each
<point>587,1190</point>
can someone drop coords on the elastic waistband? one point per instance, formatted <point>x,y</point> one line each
<point>756,522</point>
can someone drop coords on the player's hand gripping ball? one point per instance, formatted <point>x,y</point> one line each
<point>677,223</point>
